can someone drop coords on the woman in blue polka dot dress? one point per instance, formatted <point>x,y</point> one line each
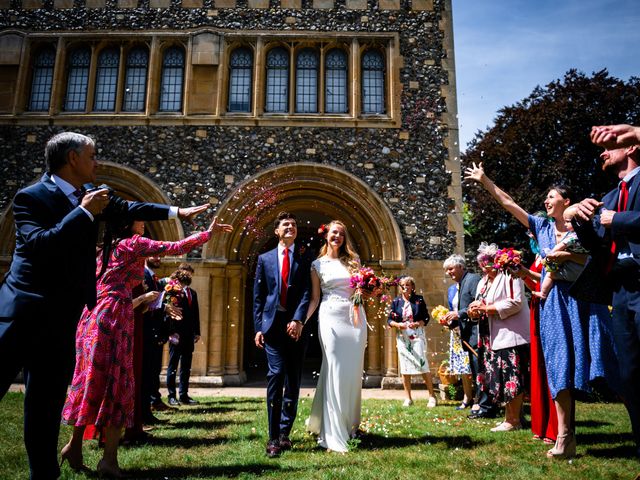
<point>575,337</point>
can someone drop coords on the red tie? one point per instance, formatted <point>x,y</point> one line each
<point>622,206</point>
<point>188,292</point>
<point>285,278</point>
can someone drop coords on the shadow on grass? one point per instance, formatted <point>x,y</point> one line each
<point>227,471</point>
<point>592,423</point>
<point>208,424</point>
<point>373,441</point>
<point>216,408</point>
<point>234,401</point>
<point>621,451</point>
<point>595,438</point>
<point>184,442</point>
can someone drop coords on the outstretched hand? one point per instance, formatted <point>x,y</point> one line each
<point>222,227</point>
<point>585,210</point>
<point>190,213</point>
<point>475,172</point>
<point>612,137</point>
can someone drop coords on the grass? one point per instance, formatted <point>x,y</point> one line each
<point>225,438</point>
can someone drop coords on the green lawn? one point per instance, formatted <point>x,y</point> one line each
<point>225,438</point>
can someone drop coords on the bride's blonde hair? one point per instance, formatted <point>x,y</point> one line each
<point>347,255</point>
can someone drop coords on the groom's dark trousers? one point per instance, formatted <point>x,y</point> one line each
<point>284,355</point>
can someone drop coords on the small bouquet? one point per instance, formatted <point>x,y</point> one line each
<point>173,293</point>
<point>507,260</point>
<point>438,313</point>
<point>365,280</point>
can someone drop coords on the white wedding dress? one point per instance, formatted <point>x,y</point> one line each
<point>335,413</point>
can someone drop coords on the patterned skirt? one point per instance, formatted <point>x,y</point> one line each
<point>458,357</point>
<point>412,351</point>
<point>502,372</point>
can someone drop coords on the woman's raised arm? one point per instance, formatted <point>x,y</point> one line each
<point>476,173</point>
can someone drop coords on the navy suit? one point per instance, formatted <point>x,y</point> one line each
<point>52,276</point>
<point>624,279</point>
<point>155,332</point>
<point>182,353</point>
<point>284,355</point>
<point>418,309</point>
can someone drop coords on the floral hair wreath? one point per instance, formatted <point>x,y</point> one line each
<point>323,229</point>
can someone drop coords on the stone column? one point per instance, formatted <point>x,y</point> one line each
<point>233,374</point>
<point>217,320</point>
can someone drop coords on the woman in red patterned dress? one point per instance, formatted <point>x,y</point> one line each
<point>102,390</point>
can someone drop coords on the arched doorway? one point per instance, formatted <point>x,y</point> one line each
<point>316,194</point>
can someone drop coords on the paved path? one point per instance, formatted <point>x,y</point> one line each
<point>378,393</point>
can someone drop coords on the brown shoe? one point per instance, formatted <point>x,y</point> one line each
<point>273,449</point>
<point>160,406</point>
<point>285,443</point>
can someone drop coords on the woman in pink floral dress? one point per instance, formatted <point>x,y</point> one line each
<point>102,390</point>
<point>502,305</point>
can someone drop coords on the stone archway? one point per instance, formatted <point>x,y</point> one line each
<point>315,191</point>
<point>127,183</point>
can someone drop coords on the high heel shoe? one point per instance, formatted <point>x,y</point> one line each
<point>568,449</point>
<point>106,470</point>
<point>73,459</point>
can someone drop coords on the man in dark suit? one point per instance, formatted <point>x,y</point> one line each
<point>465,293</point>
<point>280,302</point>
<point>611,231</point>
<point>154,335</point>
<point>52,276</point>
<point>188,330</point>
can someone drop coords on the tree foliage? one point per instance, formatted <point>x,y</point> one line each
<point>541,141</point>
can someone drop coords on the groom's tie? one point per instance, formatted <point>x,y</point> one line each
<point>285,278</point>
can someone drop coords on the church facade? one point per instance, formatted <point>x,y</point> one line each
<point>326,108</point>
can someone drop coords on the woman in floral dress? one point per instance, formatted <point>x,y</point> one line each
<point>409,316</point>
<point>502,305</point>
<point>102,390</point>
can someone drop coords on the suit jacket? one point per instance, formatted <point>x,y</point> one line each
<point>156,325</point>
<point>189,326</point>
<point>625,231</point>
<point>418,309</point>
<point>266,289</point>
<point>510,326</point>
<point>54,262</point>
<point>467,294</point>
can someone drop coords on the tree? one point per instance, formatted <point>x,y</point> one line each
<point>541,141</point>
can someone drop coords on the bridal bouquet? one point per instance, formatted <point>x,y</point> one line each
<point>365,280</point>
<point>507,260</point>
<point>173,292</point>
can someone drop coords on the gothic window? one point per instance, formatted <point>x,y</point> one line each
<point>42,80</point>
<point>372,82</point>
<point>335,73</point>
<point>107,80</point>
<point>135,82</point>
<point>78,80</point>
<point>172,80</point>
<point>307,81</point>
<point>240,74</point>
<point>277,99</point>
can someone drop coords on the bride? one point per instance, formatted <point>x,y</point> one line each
<point>335,413</point>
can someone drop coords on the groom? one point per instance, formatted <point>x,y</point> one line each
<point>280,301</point>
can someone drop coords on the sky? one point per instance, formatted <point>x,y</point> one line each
<point>505,48</point>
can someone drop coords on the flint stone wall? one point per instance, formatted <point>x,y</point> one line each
<point>406,166</point>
